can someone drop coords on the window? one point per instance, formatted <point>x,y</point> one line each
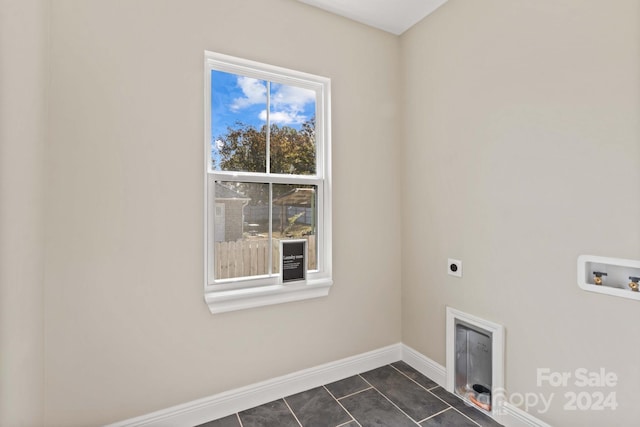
<point>267,179</point>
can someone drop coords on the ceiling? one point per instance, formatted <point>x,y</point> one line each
<point>394,16</point>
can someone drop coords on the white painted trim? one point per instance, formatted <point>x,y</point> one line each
<point>242,293</point>
<point>514,416</point>
<point>424,365</point>
<point>230,402</point>
<point>240,299</point>
<point>509,415</point>
<point>618,269</point>
<point>497,351</point>
<point>227,403</point>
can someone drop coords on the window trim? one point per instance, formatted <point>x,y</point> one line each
<point>238,294</point>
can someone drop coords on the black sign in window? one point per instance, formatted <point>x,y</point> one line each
<point>294,260</point>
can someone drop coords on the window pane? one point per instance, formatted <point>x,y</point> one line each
<point>295,216</point>
<point>241,230</point>
<point>292,117</point>
<point>238,122</point>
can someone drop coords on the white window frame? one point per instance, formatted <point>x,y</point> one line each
<point>241,293</point>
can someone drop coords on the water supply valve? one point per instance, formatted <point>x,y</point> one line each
<point>598,277</point>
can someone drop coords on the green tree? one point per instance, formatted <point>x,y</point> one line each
<point>243,148</point>
<point>293,151</point>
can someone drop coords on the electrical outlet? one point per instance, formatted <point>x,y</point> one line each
<point>454,267</point>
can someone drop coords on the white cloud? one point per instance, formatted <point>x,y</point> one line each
<point>254,90</point>
<point>283,117</point>
<point>291,97</point>
<point>287,102</point>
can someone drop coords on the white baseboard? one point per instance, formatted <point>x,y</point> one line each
<point>516,417</point>
<point>425,366</point>
<point>511,416</point>
<point>229,402</point>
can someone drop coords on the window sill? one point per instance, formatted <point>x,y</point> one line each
<point>240,299</point>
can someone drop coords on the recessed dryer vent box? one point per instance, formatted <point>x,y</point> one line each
<point>475,360</point>
<point>616,275</point>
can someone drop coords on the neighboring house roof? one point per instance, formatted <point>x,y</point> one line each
<point>224,192</point>
<point>301,197</point>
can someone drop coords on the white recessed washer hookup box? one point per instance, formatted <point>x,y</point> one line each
<point>612,276</point>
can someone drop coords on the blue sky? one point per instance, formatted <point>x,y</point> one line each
<point>237,98</point>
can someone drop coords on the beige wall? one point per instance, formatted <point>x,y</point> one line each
<point>521,153</point>
<point>23,77</point>
<point>128,331</point>
<point>517,117</point>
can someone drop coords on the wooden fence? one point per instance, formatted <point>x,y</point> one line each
<point>251,257</point>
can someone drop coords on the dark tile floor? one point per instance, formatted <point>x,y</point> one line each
<point>394,395</point>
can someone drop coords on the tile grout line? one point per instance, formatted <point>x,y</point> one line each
<point>383,395</point>
<point>352,394</point>
<point>292,413</point>
<point>437,397</point>
<point>438,386</point>
<point>427,389</point>
<point>450,406</point>
<point>438,413</point>
<point>430,392</point>
<point>456,409</point>
<point>345,409</point>
<point>239,420</point>
<point>467,417</point>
